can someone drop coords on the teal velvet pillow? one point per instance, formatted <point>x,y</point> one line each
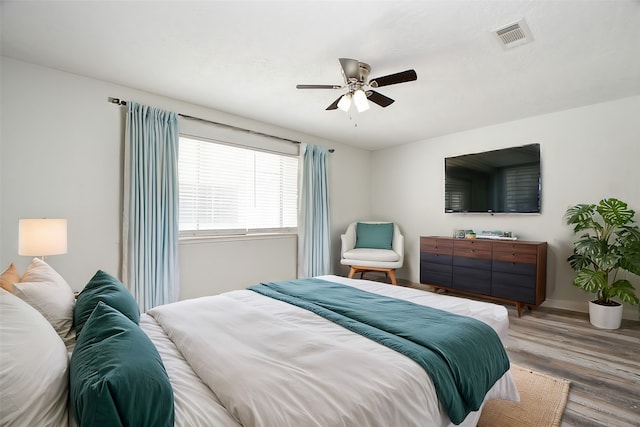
<point>374,236</point>
<point>106,288</point>
<point>116,376</point>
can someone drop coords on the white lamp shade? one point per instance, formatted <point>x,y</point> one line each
<point>42,237</point>
<point>360,101</point>
<point>345,102</point>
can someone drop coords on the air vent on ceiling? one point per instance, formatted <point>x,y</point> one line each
<point>514,34</point>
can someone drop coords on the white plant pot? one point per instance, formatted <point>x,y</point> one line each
<point>605,316</point>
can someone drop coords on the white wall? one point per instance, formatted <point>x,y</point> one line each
<point>587,154</point>
<point>61,156</point>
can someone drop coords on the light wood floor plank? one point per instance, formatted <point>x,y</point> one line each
<point>603,366</point>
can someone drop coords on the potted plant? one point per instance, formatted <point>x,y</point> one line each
<point>609,241</point>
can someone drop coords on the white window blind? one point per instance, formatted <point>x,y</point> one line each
<point>522,188</point>
<point>226,189</point>
<point>457,195</point>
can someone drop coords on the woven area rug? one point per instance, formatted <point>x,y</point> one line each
<point>542,402</point>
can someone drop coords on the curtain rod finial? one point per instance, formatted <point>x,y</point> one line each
<point>117,101</point>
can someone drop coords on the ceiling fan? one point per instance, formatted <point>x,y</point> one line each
<point>359,87</point>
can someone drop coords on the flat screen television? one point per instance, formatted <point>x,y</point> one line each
<point>498,181</point>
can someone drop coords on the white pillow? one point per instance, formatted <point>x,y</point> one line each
<point>45,290</point>
<point>34,372</point>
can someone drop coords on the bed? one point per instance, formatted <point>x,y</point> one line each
<point>245,359</point>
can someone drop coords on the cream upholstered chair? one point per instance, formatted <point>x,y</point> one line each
<point>372,246</point>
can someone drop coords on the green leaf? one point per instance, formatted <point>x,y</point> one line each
<point>580,216</point>
<point>578,262</point>
<point>624,290</point>
<point>630,257</point>
<point>615,212</point>
<point>591,281</point>
<point>607,261</point>
<point>588,246</point>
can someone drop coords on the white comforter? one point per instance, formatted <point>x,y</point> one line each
<point>243,358</point>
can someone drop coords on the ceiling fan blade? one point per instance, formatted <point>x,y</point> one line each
<point>334,106</point>
<point>391,79</point>
<point>379,98</point>
<point>350,69</point>
<point>318,87</point>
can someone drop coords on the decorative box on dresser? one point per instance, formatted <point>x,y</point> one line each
<point>510,271</point>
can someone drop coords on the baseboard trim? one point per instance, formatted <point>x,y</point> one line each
<point>629,312</point>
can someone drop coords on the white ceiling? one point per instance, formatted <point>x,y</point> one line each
<point>246,58</point>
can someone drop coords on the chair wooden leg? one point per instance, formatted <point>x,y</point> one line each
<point>389,272</point>
<point>392,275</point>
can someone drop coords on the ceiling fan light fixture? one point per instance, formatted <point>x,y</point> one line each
<point>360,100</point>
<point>356,80</point>
<point>345,102</point>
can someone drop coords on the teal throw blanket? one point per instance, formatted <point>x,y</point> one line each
<point>464,357</point>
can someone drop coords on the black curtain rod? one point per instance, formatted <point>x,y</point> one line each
<point>119,101</point>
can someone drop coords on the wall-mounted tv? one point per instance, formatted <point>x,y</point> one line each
<point>499,181</point>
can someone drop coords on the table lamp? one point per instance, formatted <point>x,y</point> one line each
<point>42,237</point>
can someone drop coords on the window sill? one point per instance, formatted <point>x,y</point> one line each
<point>196,240</point>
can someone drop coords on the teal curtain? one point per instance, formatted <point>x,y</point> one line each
<point>313,214</point>
<point>150,217</point>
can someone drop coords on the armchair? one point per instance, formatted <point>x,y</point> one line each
<point>372,246</point>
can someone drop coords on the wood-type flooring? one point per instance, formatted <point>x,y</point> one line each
<point>602,365</point>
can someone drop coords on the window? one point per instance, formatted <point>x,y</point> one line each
<point>457,195</point>
<point>227,189</point>
<point>522,188</point>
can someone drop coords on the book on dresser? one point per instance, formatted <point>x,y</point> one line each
<point>508,271</point>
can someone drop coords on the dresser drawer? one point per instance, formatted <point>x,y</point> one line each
<point>515,257</point>
<point>515,252</point>
<point>472,249</point>
<point>514,267</point>
<point>514,287</point>
<point>436,245</point>
<point>435,278</point>
<point>477,263</point>
<point>472,280</point>
<point>426,257</point>
<point>436,258</point>
<point>436,268</point>
<point>524,248</point>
